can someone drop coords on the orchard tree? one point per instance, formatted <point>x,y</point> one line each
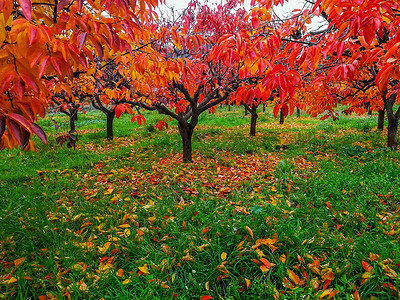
<point>355,61</point>
<point>184,79</point>
<point>54,39</point>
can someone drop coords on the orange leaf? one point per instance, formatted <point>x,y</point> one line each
<point>247,282</point>
<point>356,296</point>
<point>293,277</point>
<point>249,230</point>
<point>120,273</point>
<point>19,261</point>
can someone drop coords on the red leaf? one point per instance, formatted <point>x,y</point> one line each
<point>285,110</point>
<point>6,76</point>
<point>26,6</point>
<point>19,133</point>
<point>82,39</point>
<point>56,64</point>
<point>276,110</point>
<point>367,267</point>
<point>21,121</point>
<point>205,297</point>
<point>383,77</point>
<point>36,129</point>
<point>119,109</point>
<point>255,22</point>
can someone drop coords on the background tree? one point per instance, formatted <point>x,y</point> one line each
<point>54,38</point>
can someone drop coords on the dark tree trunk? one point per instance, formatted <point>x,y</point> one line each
<point>186,132</point>
<point>393,119</point>
<point>264,107</point>
<point>72,124</point>
<point>381,118</point>
<point>253,122</point>
<point>298,112</point>
<point>281,117</point>
<point>229,107</point>
<point>110,120</point>
<point>246,111</point>
<point>73,117</point>
<point>393,124</point>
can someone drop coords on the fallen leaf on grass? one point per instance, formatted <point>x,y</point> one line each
<point>223,255</point>
<point>19,261</point>
<point>144,269</point>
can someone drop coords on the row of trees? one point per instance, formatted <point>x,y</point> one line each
<point>118,56</point>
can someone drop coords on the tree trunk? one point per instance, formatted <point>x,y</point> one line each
<point>246,111</point>
<point>253,122</point>
<point>393,124</point>
<point>73,117</point>
<point>229,107</point>
<point>264,107</point>
<point>297,112</point>
<point>281,117</point>
<point>381,118</point>
<point>186,132</point>
<point>72,124</point>
<point>110,120</point>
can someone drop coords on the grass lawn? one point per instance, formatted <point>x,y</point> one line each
<point>304,210</point>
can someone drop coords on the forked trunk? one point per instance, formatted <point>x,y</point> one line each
<point>253,122</point>
<point>186,132</point>
<point>381,119</point>
<point>281,117</point>
<point>110,120</point>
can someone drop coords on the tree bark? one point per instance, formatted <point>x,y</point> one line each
<point>281,117</point>
<point>381,118</point>
<point>297,112</point>
<point>393,119</point>
<point>72,124</point>
<point>393,124</point>
<point>253,122</point>
<point>110,120</point>
<point>186,132</point>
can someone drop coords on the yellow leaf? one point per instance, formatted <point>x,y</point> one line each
<point>144,269</point>
<point>124,226</point>
<point>11,280</point>
<point>152,219</point>
<point>283,258</point>
<point>127,232</point>
<point>207,286</point>
<point>173,277</point>
<point>104,249</point>
<point>19,261</point>
<point>293,277</point>
<point>126,281</point>
<point>247,282</point>
<point>223,255</point>
<point>326,293</point>
<point>108,191</point>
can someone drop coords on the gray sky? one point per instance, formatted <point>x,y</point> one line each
<point>281,11</point>
<point>288,7</point>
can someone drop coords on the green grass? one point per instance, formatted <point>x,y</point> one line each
<point>124,219</point>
